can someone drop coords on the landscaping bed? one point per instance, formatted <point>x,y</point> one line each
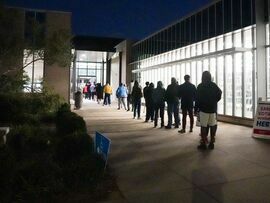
<point>48,156</point>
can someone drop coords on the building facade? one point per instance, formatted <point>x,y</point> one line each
<point>229,38</point>
<point>33,28</point>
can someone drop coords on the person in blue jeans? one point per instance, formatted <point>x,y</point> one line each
<point>172,99</point>
<point>136,97</point>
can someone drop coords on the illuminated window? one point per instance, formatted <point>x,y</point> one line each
<point>237,39</point>
<point>220,82</point>
<point>183,72</point>
<point>248,85</point>
<point>229,90</point>
<point>188,52</point>
<point>220,44</point>
<point>248,38</point>
<point>199,72</point>
<point>193,50</point>
<point>193,72</point>
<point>199,49</point>
<point>205,47</point>
<point>228,41</point>
<point>238,84</point>
<point>35,72</point>
<point>213,68</point>
<point>213,45</point>
<point>182,53</point>
<point>188,71</point>
<point>205,65</point>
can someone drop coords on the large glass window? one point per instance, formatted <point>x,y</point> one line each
<point>248,85</point>
<point>183,72</point>
<point>34,70</point>
<point>199,72</point>
<point>229,81</point>
<point>237,39</point>
<point>213,68</point>
<point>248,38</point>
<point>193,72</point>
<point>238,84</point>
<point>188,71</point>
<point>220,82</point>
<point>228,41</point>
<point>206,65</point>
<point>220,43</point>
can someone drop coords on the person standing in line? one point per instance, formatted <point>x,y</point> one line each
<point>159,103</point>
<point>85,92</point>
<point>129,98</point>
<point>173,104</point>
<point>144,95</point>
<point>149,103</point>
<point>121,94</point>
<point>136,98</point>
<point>207,96</point>
<point>88,90</point>
<point>93,90</point>
<point>99,92</point>
<point>187,93</point>
<point>108,92</point>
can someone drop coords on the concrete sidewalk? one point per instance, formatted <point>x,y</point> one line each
<point>159,165</point>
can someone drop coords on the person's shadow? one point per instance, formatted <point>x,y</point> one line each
<point>204,176</point>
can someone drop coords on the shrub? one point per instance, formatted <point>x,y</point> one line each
<point>72,147</point>
<point>27,141</point>
<point>7,166</point>
<point>69,122</point>
<point>27,105</point>
<point>37,180</point>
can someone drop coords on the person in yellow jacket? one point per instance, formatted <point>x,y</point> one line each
<point>108,91</point>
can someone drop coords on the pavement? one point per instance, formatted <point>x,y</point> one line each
<point>160,165</point>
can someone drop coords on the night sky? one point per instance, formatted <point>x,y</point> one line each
<point>129,19</point>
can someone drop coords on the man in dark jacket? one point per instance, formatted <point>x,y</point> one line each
<point>207,97</point>
<point>145,94</point>
<point>149,103</point>
<point>173,103</point>
<point>136,97</point>
<point>159,102</point>
<point>187,93</point>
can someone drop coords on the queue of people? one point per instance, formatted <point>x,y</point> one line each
<point>201,101</point>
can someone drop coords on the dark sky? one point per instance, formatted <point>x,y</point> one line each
<point>131,19</point>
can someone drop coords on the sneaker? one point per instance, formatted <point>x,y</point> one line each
<point>139,118</point>
<point>190,130</point>
<point>168,127</point>
<point>177,126</point>
<point>211,145</point>
<point>182,131</point>
<point>202,146</point>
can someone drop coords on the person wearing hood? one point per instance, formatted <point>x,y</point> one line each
<point>149,103</point>
<point>121,94</point>
<point>207,96</point>
<point>136,98</point>
<point>159,102</point>
<point>172,98</point>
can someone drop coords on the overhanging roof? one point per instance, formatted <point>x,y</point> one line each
<point>90,43</point>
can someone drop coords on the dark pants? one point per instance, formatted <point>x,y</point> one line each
<point>150,110</point>
<point>159,108</point>
<point>188,111</point>
<point>107,99</point>
<point>137,107</point>
<point>129,101</point>
<point>173,108</point>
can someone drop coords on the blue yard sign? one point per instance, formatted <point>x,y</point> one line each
<point>102,146</point>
